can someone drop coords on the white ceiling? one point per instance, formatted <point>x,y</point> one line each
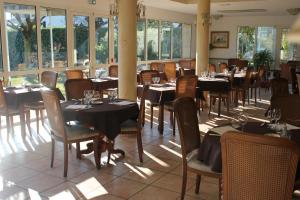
<point>272,7</point>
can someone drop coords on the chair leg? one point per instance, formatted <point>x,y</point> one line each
<point>210,104</point>
<point>42,116</point>
<point>70,146</point>
<point>110,148</point>
<point>198,180</point>
<point>28,121</point>
<point>151,120</point>
<point>255,95</point>
<point>220,188</point>
<point>78,154</point>
<point>184,180</point>
<point>219,105</point>
<point>140,145</point>
<point>8,124</point>
<point>52,151</point>
<point>174,123</point>
<point>11,122</point>
<point>37,121</point>
<point>65,159</point>
<point>228,102</point>
<point>96,153</point>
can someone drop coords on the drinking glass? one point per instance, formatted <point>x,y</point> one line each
<point>243,119</point>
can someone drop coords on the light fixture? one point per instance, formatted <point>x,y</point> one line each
<point>140,9</point>
<point>294,34</point>
<point>92,2</point>
<point>293,11</point>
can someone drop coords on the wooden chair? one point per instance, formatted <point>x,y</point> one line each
<point>295,89</point>
<point>244,88</point>
<point>49,80</point>
<point>193,64</point>
<point>212,68</point>
<point>233,62</point>
<point>185,87</point>
<point>67,134</point>
<point>279,87</point>
<point>74,74</point>
<point>158,66</point>
<point>257,83</point>
<point>285,72</point>
<point>170,70</point>
<point>223,66</point>
<point>298,81</point>
<point>75,88</point>
<point>186,115</point>
<point>185,64</point>
<point>146,77</point>
<point>258,167</point>
<point>9,113</point>
<point>135,126</point>
<point>113,71</point>
<point>241,64</point>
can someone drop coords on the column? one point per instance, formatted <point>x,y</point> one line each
<point>127,49</point>
<point>202,47</point>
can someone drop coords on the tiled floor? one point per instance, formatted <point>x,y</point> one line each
<point>25,171</point>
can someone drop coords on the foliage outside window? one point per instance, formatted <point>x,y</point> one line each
<point>54,37</point>
<point>81,41</point>
<point>287,49</point>
<point>177,40</point>
<point>21,36</point>
<point>1,61</point>
<point>186,40</point>
<point>102,32</point>
<point>116,39</point>
<point>141,30</point>
<point>165,40</point>
<point>152,39</point>
<point>23,80</point>
<point>246,42</point>
<point>266,37</point>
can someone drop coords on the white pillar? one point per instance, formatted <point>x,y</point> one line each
<point>202,51</point>
<point>127,49</point>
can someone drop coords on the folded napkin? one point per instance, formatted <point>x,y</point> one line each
<point>122,103</point>
<point>222,129</point>
<point>76,107</point>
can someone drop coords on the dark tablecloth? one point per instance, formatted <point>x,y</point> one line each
<point>210,149</point>
<point>214,85</point>
<point>106,117</point>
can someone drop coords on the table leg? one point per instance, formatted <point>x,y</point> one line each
<point>22,119</point>
<point>161,119</point>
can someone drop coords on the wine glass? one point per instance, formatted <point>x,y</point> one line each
<point>243,118</point>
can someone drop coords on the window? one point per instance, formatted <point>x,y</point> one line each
<point>116,39</point>
<point>177,40</point>
<point>165,40</point>
<point>246,42</point>
<point>287,50</point>
<point>102,32</point>
<point>21,36</point>
<point>1,62</point>
<point>266,37</point>
<point>81,41</point>
<point>54,37</point>
<point>186,40</point>
<point>23,80</point>
<point>141,31</point>
<point>152,39</point>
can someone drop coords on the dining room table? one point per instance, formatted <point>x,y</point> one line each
<point>105,115</point>
<point>17,97</point>
<point>104,83</point>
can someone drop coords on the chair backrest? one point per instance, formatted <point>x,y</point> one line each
<point>185,110</point>
<point>146,76</point>
<point>257,167</point>
<point>298,81</point>
<point>3,105</point>
<point>294,63</point>
<point>181,71</point>
<point>193,64</point>
<point>54,113</point>
<point>279,87</point>
<point>294,80</point>
<point>260,75</point>
<point>75,88</point>
<point>142,105</point>
<point>113,71</point>
<point>49,79</point>
<point>170,70</point>
<point>248,77</point>
<point>233,61</point>
<point>212,68</point>
<point>223,66</point>
<point>285,72</point>
<point>242,63</point>
<point>158,66</point>
<point>74,74</point>
<point>185,64</point>
<point>186,86</point>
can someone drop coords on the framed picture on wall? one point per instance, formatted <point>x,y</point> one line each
<point>219,39</point>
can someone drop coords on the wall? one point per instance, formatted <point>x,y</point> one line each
<point>231,24</point>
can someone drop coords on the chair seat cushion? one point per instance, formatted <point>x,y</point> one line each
<point>129,126</point>
<point>194,163</point>
<point>39,105</point>
<point>80,133</point>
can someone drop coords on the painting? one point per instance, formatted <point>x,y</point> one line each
<point>219,39</point>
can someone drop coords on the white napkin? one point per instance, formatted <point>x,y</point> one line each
<point>122,103</point>
<point>223,129</point>
<point>76,107</point>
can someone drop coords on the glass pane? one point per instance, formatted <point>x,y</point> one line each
<point>21,36</point>
<point>61,79</point>
<point>141,26</point>
<point>287,49</point>
<point>165,38</point>
<point>23,80</point>
<point>177,40</point>
<point>54,37</point>
<point>116,36</point>
<point>81,41</point>
<point>1,62</point>
<point>246,42</point>
<point>102,32</point>
<point>186,40</point>
<point>152,39</point>
<point>266,37</point>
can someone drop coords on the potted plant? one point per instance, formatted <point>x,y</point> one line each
<point>263,58</point>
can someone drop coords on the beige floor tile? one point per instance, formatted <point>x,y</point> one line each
<point>99,175</point>
<point>160,164</point>
<point>97,195</point>
<point>155,193</point>
<point>124,188</point>
<point>73,171</point>
<point>117,169</point>
<point>178,171</point>
<point>207,191</point>
<point>173,182</point>
<point>42,164</point>
<point>66,190</point>
<point>18,174</point>
<point>10,191</point>
<point>41,182</point>
<point>22,158</point>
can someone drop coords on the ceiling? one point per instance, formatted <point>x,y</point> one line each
<point>272,7</point>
